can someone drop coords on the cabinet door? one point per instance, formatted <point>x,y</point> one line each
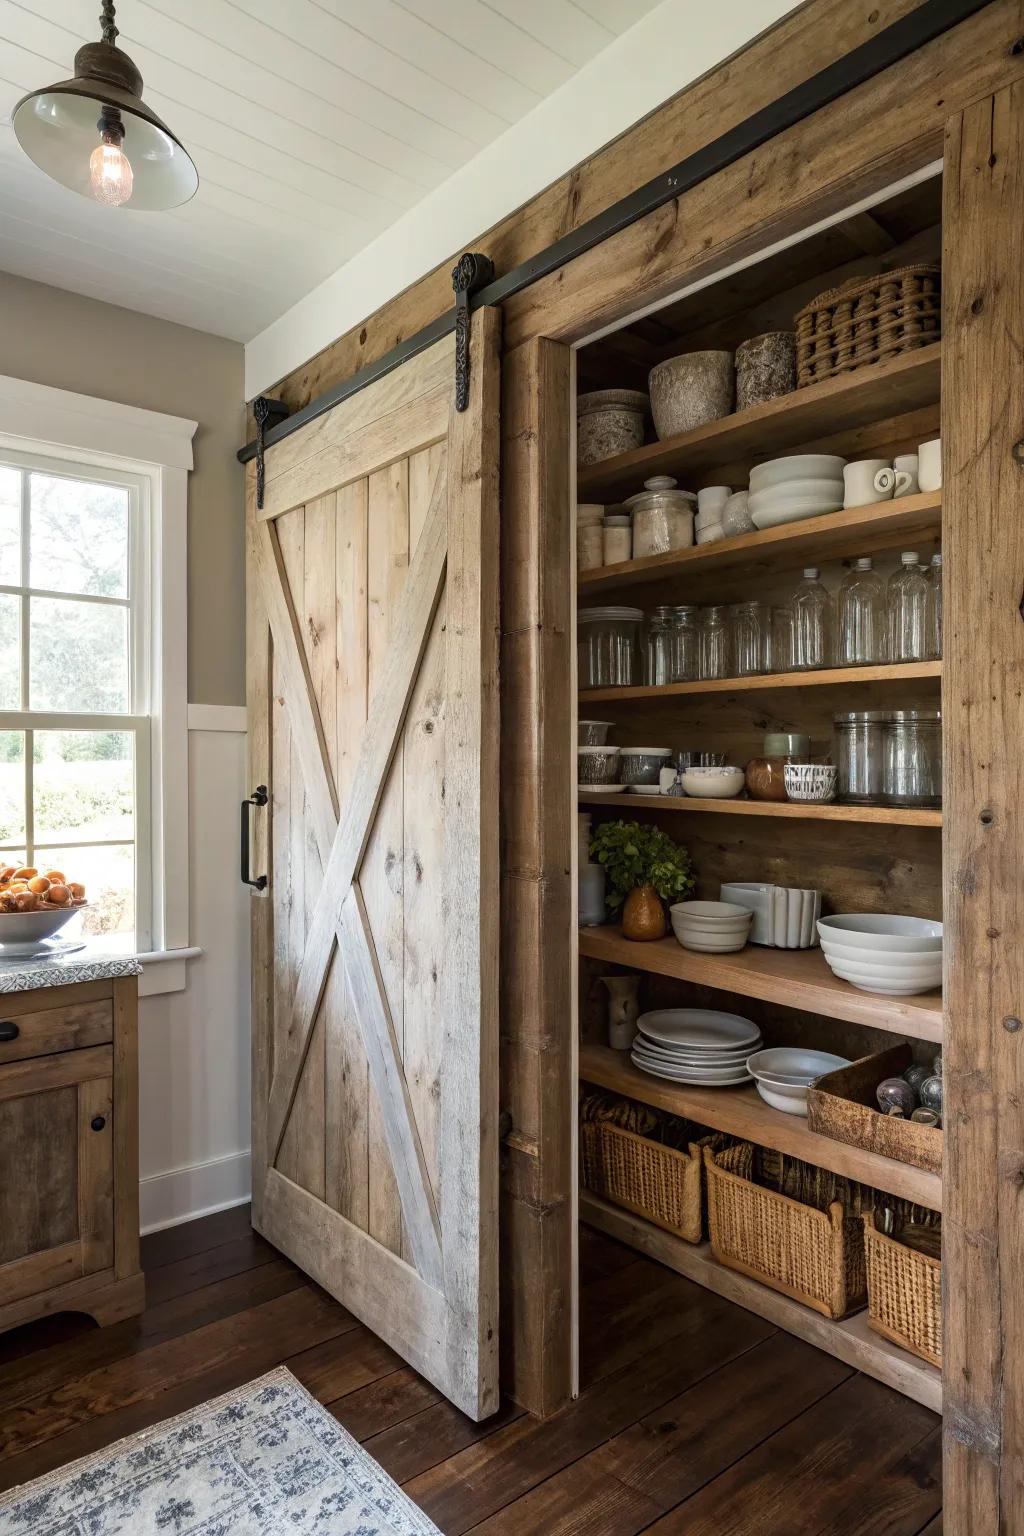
<point>57,1185</point>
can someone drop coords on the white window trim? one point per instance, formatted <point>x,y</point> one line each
<point>62,424</point>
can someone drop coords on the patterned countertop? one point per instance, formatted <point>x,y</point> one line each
<point>53,971</point>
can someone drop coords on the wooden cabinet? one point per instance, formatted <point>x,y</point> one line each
<point>69,1152</point>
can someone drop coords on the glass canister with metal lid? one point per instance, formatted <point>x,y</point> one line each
<point>912,757</point>
<point>608,647</point>
<point>858,754</point>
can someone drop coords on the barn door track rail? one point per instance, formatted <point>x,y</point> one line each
<point>473,276</point>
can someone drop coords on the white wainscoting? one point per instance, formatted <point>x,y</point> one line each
<point>194,1043</point>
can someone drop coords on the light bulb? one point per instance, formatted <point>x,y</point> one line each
<point>110,172</point>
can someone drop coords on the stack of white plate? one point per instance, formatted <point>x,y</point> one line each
<point>695,1045</point>
<point>896,956</point>
<point>788,490</point>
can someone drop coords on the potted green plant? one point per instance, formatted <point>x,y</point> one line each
<point>644,869</point>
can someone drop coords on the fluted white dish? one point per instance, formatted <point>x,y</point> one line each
<point>792,509</point>
<point>844,952</point>
<point>922,975</point>
<point>884,988</point>
<point>796,466</point>
<point>878,931</point>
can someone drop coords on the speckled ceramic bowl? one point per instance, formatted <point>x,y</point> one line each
<point>609,422</point>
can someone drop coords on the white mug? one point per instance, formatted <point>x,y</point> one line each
<point>859,480</point>
<point>929,459</point>
<point>893,482</point>
<point>906,464</point>
<point>713,499</point>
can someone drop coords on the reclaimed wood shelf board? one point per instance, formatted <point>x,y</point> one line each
<point>804,810</point>
<point>796,978</point>
<point>742,1112</point>
<point>852,1340</point>
<point>826,411</point>
<point>766,682</point>
<point>861,531</point>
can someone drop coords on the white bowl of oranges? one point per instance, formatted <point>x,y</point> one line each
<point>34,905</point>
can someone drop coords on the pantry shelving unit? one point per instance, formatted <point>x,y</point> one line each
<point>862,858</point>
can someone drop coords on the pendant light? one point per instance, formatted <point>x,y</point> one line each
<point>95,134</point>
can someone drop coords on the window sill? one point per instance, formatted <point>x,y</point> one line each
<point>165,970</point>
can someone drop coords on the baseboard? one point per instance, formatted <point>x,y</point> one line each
<point>181,1194</point>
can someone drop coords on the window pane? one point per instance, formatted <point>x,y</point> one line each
<point>10,526</point>
<point>78,656</point>
<point>84,785</point>
<point>108,875</point>
<point>10,651</point>
<point>78,536</point>
<point>12,790</point>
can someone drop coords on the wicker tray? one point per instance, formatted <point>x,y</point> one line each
<point>842,1105</point>
<point>904,1293</point>
<point>656,1182</point>
<point>817,1257</point>
<point>867,320</point>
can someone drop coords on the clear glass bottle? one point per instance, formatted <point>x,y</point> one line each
<point>934,609</point>
<point>812,622</point>
<point>861,616</point>
<point>907,602</point>
<point>658,649</point>
<point>751,637</point>
<point>715,642</point>
<point>684,643</point>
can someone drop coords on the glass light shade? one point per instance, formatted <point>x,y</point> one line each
<point>110,174</point>
<point>57,128</point>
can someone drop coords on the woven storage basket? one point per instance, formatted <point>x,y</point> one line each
<point>867,320</point>
<point>659,1183</point>
<point>904,1293</point>
<point>816,1257</point>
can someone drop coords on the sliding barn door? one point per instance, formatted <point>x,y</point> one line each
<point>373,713</point>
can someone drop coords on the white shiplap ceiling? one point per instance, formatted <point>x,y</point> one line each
<point>314,124</point>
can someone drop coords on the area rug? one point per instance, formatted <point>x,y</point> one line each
<point>261,1461</point>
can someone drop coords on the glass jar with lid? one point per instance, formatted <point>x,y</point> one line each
<point>715,642</point>
<point>751,637</point>
<point>684,644</point>
<point>608,647</point>
<point>657,650</point>
<point>662,517</point>
<point>858,755</point>
<point>765,776</point>
<point>912,757</point>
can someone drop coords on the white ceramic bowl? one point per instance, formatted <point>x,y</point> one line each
<point>701,946</point>
<point>879,930</point>
<point>798,466</point>
<point>924,975</point>
<point>861,956</point>
<point>883,986</point>
<point>770,1070</point>
<point>713,783</point>
<point>23,931</point>
<point>769,496</point>
<point>792,512</point>
<point>713,911</point>
<point>810,782</point>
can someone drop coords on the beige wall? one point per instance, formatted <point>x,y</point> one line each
<point>61,339</point>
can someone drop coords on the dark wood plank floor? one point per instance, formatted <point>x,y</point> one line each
<point>695,1416</point>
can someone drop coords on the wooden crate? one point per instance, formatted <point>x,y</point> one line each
<point>842,1105</point>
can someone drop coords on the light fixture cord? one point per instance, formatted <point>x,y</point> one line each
<point>109,30</point>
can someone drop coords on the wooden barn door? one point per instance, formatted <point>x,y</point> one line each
<point>372,660</point>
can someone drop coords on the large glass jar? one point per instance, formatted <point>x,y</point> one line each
<point>608,647</point>
<point>858,754</point>
<point>684,643</point>
<point>783,641</point>
<point>662,517</point>
<point>715,642</point>
<point>751,637</point>
<point>912,757</point>
<point>658,649</point>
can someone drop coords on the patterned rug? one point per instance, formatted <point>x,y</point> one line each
<point>262,1461</point>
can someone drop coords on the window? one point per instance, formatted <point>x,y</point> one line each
<point>74,684</point>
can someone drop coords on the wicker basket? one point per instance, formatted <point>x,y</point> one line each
<point>817,1257</point>
<point>659,1183</point>
<point>867,320</point>
<point>904,1293</point>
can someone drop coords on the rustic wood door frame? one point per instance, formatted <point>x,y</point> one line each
<point>885,130</point>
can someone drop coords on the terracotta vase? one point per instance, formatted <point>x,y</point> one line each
<point>643,916</point>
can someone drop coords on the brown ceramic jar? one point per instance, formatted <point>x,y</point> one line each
<point>643,916</point>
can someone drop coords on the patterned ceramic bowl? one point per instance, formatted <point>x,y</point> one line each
<point>597,765</point>
<point>810,781</point>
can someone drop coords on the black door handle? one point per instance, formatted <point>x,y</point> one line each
<point>9,1030</point>
<point>97,1122</point>
<point>259,796</point>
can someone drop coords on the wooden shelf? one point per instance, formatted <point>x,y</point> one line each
<point>765,682</point>
<point>733,443</point>
<point>742,1112</point>
<point>796,978</point>
<point>861,531</point>
<point>852,1340</point>
<point>884,815</point>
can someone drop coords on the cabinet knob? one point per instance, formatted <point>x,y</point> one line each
<point>9,1030</point>
<point>97,1122</point>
